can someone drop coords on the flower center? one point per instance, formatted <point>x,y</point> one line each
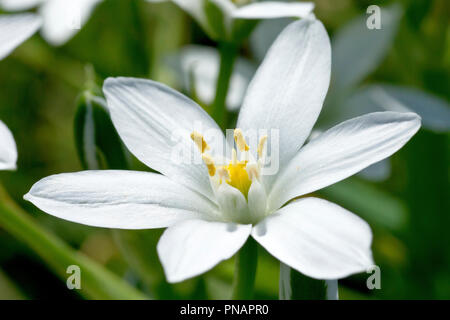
<point>238,176</point>
<point>237,173</point>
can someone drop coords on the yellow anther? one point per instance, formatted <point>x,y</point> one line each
<point>208,160</point>
<point>199,141</point>
<point>240,140</point>
<point>241,2</point>
<point>253,171</point>
<point>222,172</point>
<point>262,145</point>
<point>238,173</point>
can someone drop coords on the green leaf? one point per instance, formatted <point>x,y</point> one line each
<point>99,147</point>
<point>370,203</point>
<point>97,142</point>
<point>245,271</point>
<point>8,290</point>
<point>296,286</point>
<point>215,18</point>
<point>96,281</point>
<point>139,249</point>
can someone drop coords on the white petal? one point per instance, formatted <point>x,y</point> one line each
<point>192,247</point>
<point>289,87</point>
<point>15,29</point>
<point>155,122</point>
<point>63,19</point>
<point>358,50</point>
<point>272,9</point>
<point>118,199</point>
<point>19,5</point>
<point>343,151</point>
<point>257,201</point>
<point>233,205</point>
<point>435,112</point>
<point>202,64</point>
<point>8,149</point>
<point>317,238</point>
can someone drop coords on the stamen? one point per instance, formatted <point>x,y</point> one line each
<point>223,174</point>
<point>208,160</point>
<point>237,173</point>
<point>233,156</point>
<point>240,140</point>
<point>262,146</point>
<point>199,141</point>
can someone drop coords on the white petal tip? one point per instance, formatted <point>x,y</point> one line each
<point>273,9</point>
<point>8,167</point>
<point>415,119</point>
<point>27,197</point>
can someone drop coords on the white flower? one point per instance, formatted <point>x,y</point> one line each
<point>212,207</point>
<point>198,68</point>
<point>62,19</point>
<point>219,17</point>
<point>14,29</point>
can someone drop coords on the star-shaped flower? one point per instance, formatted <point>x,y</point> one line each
<point>257,187</point>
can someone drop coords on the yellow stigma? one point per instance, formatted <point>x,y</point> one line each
<point>199,141</point>
<point>237,173</point>
<point>240,140</point>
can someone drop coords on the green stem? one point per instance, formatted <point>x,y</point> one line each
<point>41,59</point>
<point>245,272</point>
<point>96,281</point>
<point>141,38</point>
<point>228,53</point>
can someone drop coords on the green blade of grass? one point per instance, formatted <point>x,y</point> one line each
<point>96,281</point>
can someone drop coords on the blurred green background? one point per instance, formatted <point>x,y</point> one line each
<point>39,85</point>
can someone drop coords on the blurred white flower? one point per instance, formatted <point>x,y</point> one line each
<point>198,70</point>
<point>219,18</point>
<point>62,19</point>
<point>8,149</point>
<point>14,29</point>
<point>434,111</point>
<point>213,206</point>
